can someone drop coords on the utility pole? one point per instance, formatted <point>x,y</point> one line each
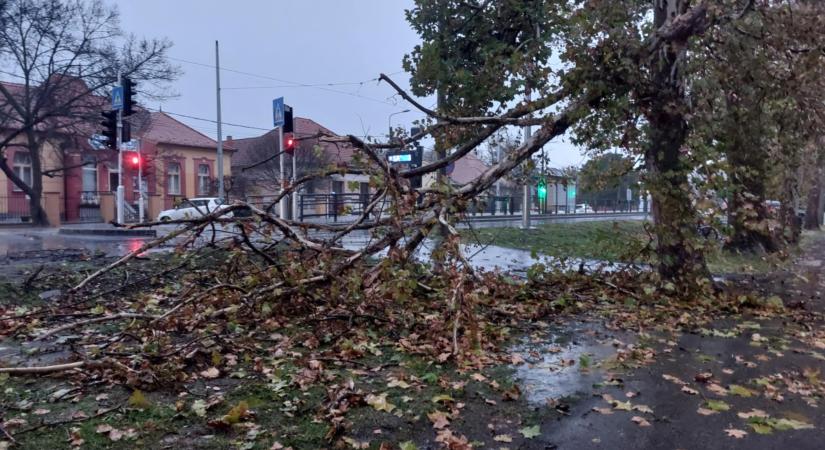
<point>119,144</point>
<point>220,134</point>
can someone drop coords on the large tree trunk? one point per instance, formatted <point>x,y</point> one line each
<point>681,259</point>
<point>813,212</point>
<point>38,214</point>
<point>753,227</point>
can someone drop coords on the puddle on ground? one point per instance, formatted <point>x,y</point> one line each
<point>567,362</point>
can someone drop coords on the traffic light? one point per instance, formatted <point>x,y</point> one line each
<point>126,132</point>
<point>133,158</point>
<point>129,93</point>
<point>109,130</point>
<point>541,189</point>
<point>289,125</point>
<point>289,143</point>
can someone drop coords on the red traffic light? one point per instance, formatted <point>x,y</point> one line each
<point>289,143</point>
<point>133,159</point>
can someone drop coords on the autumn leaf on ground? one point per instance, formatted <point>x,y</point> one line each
<point>622,406</point>
<point>705,411</point>
<point>689,390</point>
<point>211,373</point>
<point>717,389</point>
<point>138,400</point>
<point>356,444</point>
<point>736,433</point>
<point>199,408</point>
<point>717,405</point>
<point>673,379</point>
<point>605,411</point>
<point>641,421</point>
<point>442,398</point>
<point>530,432</point>
<point>703,377</point>
<point>439,419</point>
<point>643,409</point>
<point>379,402</point>
<point>503,438</point>
<point>398,383</point>
<point>752,413</point>
<point>735,389</point>
<point>408,445</point>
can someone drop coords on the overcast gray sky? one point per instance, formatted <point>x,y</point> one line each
<point>281,44</point>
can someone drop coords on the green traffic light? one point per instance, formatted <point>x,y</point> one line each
<point>542,191</point>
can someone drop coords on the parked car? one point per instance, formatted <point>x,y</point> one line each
<point>192,208</point>
<point>584,208</point>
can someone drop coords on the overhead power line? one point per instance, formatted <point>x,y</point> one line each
<point>320,86</point>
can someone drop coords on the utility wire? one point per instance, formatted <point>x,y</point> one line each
<point>291,83</point>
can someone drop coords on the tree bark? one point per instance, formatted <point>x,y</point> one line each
<point>813,212</point>
<point>681,259</point>
<point>38,214</point>
<point>753,227</point>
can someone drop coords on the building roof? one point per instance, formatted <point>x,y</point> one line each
<point>158,127</point>
<point>252,150</point>
<point>467,169</point>
<point>162,128</point>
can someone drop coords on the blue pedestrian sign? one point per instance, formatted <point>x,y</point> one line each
<point>117,97</point>
<point>278,112</point>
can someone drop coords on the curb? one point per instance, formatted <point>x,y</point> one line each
<point>109,232</point>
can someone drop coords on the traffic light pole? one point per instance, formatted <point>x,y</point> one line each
<point>525,208</point>
<point>294,195</point>
<point>282,203</point>
<point>141,216</point>
<point>119,140</point>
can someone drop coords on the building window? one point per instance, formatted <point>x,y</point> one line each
<point>89,174</point>
<point>173,173</point>
<point>203,179</point>
<point>23,168</point>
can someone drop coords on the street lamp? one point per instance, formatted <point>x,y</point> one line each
<point>389,120</point>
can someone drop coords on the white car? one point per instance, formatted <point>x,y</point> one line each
<point>192,209</point>
<point>583,208</point>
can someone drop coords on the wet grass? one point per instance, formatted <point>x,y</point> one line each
<point>620,241</point>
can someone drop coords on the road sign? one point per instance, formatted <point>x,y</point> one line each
<point>278,112</point>
<point>117,97</point>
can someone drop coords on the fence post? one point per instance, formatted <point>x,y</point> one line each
<point>301,213</point>
<point>334,207</point>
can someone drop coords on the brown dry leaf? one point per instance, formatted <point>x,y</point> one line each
<point>605,411</point>
<point>736,433</point>
<point>439,419</point>
<point>41,411</point>
<point>752,413</point>
<point>211,373</point>
<point>643,409</point>
<point>503,438</point>
<point>641,421</point>
<point>727,371</point>
<point>689,390</point>
<point>631,394</point>
<point>103,428</point>
<point>706,412</point>
<point>379,402</point>
<point>478,377</point>
<point>703,377</point>
<point>673,379</point>
<point>516,359</point>
<point>717,389</point>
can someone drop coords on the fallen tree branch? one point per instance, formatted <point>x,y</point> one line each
<point>119,316</point>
